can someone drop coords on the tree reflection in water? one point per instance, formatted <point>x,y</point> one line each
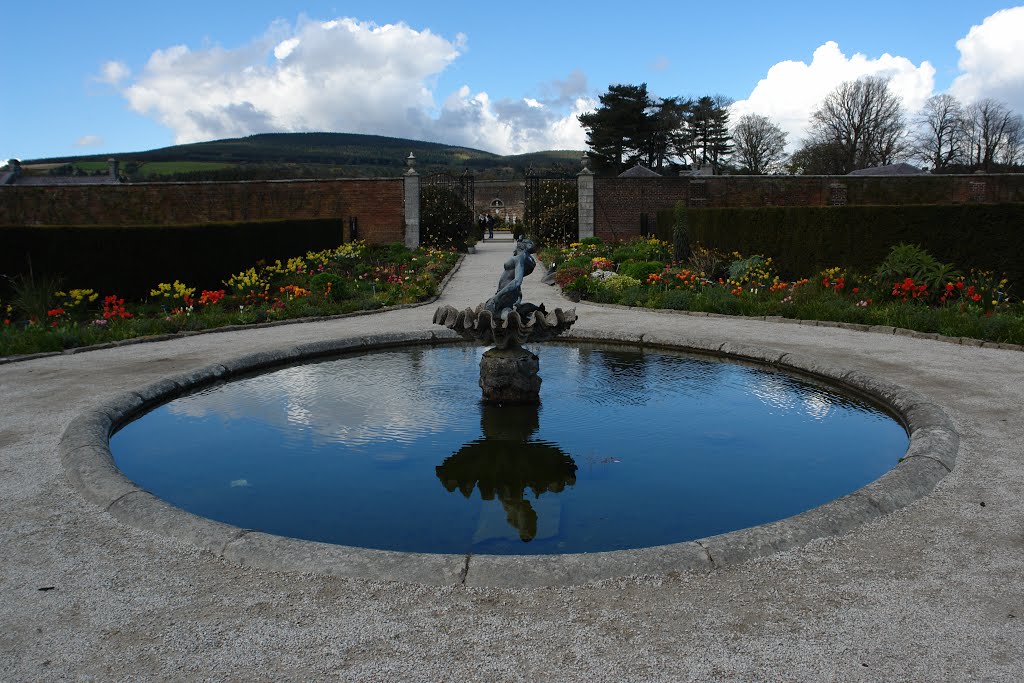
<point>505,462</point>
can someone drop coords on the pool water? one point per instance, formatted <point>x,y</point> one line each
<point>392,449</point>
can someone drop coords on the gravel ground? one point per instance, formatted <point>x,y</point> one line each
<point>931,592</point>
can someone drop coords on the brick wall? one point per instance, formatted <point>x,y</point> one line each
<point>619,202</point>
<point>377,204</point>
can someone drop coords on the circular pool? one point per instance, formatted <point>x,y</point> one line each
<point>392,449</point>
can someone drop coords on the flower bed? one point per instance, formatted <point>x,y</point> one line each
<point>909,289</point>
<point>354,277</point>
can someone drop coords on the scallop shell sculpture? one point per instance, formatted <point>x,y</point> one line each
<point>484,327</point>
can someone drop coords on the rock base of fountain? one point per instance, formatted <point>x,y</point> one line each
<point>509,376</point>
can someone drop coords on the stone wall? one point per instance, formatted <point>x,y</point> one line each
<point>620,202</point>
<point>377,205</point>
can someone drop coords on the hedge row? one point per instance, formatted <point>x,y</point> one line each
<point>129,261</point>
<point>805,240</point>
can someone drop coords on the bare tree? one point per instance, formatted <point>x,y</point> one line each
<point>990,127</point>
<point>760,145</point>
<point>1012,152</point>
<point>863,120</point>
<point>941,137</point>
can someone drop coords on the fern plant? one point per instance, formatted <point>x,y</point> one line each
<point>911,260</point>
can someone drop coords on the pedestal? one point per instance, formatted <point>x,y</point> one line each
<point>510,376</point>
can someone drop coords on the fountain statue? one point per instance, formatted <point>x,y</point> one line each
<point>508,372</point>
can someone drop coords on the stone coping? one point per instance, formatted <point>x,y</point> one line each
<point>85,454</point>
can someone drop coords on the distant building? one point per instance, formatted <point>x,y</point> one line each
<point>504,199</point>
<point>639,171</point>
<point>891,169</point>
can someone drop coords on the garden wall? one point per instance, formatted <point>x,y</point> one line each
<point>620,202</point>
<point>130,261</point>
<point>377,204</point>
<point>805,240</point>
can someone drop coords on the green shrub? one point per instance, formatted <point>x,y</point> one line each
<point>583,287</point>
<point>679,299</point>
<point>577,262</point>
<point>642,250</point>
<point>804,240</point>
<point>640,269</point>
<point>34,295</point>
<point>129,260</point>
<point>910,260</point>
<point>330,286</point>
<point>619,283</point>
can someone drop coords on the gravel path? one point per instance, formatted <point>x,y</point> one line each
<point>931,592</point>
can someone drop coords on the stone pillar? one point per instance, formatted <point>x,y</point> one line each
<point>412,204</point>
<point>585,199</point>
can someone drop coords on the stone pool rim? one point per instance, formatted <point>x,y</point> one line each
<point>84,450</point>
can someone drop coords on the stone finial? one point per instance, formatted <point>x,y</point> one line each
<point>585,162</point>
<point>410,161</point>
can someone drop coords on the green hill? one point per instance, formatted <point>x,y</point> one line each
<point>308,155</point>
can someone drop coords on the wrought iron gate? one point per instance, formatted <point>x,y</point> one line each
<point>550,210</point>
<point>447,209</point>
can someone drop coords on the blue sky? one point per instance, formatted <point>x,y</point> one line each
<point>103,78</point>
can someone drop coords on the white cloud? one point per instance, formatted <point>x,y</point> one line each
<point>114,73</point>
<point>341,75</point>
<point>89,141</point>
<point>286,47</point>
<point>791,90</point>
<point>991,60</point>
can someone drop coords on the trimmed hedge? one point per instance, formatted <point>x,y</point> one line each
<point>129,261</point>
<point>804,240</point>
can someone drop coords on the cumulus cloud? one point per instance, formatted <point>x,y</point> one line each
<point>89,141</point>
<point>990,60</point>
<point>792,90</point>
<point>342,75</point>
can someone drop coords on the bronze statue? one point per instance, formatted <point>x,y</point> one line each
<point>508,372</point>
<point>510,285</point>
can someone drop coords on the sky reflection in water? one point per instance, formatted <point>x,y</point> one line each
<point>393,450</point>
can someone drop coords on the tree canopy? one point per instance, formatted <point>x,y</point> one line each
<point>630,127</point>
<point>861,124</point>
<point>760,144</point>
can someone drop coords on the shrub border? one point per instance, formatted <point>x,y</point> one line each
<point>856,327</point>
<point>236,328</point>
